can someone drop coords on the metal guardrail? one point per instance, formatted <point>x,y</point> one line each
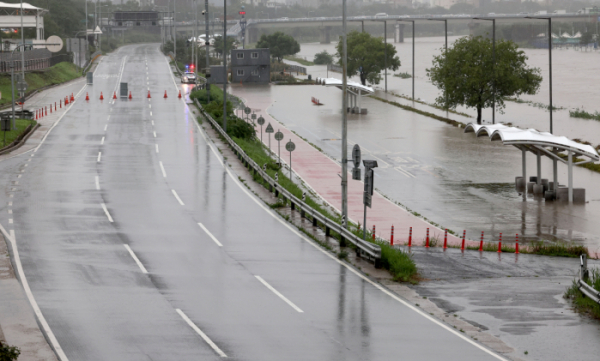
<point>584,273</point>
<point>589,291</point>
<point>364,249</point>
<point>334,68</point>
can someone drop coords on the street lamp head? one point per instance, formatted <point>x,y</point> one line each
<point>369,164</point>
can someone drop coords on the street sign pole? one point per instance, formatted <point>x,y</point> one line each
<point>12,88</point>
<point>344,115</point>
<point>368,190</point>
<point>290,146</point>
<point>279,137</point>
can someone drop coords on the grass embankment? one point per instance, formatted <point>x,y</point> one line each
<point>580,113</point>
<point>299,60</point>
<point>59,73</point>
<point>422,112</point>
<point>404,75</point>
<point>580,302</point>
<point>400,264</point>
<point>12,135</point>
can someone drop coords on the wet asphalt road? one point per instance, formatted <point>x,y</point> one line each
<point>257,289</point>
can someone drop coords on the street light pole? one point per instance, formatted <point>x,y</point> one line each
<point>22,50</point>
<point>413,56</point>
<point>225,65</point>
<point>549,63</point>
<point>493,67</point>
<point>344,117</point>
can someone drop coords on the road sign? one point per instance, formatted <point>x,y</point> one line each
<point>367,198</point>
<point>90,78</point>
<point>123,91</point>
<point>290,146</point>
<point>247,110</point>
<point>56,44</point>
<point>356,155</point>
<point>260,120</point>
<point>278,135</point>
<point>22,86</point>
<point>5,124</point>
<point>253,116</point>
<point>269,129</point>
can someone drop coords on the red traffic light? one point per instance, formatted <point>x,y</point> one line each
<point>242,13</point>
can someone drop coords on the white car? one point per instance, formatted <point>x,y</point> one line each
<point>188,77</point>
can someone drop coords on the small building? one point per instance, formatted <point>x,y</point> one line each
<point>250,66</point>
<point>217,74</point>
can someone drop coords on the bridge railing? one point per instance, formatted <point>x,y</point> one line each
<point>364,249</point>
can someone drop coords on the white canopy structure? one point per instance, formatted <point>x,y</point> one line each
<point>355,91</point>
<point>33,17</point>
<point>539,143</point>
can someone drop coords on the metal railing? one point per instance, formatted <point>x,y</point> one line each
<point>364,249</point>
<point>334,68</point>
<point>289,68</point>
<point>586,289</point>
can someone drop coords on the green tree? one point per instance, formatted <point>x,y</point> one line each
<point>279,45</point>
<point>218,46</point>
<point>323,58</point>
<point>8,353</point>
<point>467,76</point>
<point>366,57</point>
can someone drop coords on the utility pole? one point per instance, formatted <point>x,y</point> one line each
<point>22,52</point>
<point>344,119</point>
<point>206,45</point>
<point>225,65</point>
<point>175,30</point>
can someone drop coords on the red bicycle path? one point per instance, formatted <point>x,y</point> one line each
<point>323,175</point>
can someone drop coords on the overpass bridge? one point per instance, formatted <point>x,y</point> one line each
<point>326,23</point>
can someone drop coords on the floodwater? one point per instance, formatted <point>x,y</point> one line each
<point>575,79</point>
<point>454,179</point>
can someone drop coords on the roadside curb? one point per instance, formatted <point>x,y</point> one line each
<point>28,132</point>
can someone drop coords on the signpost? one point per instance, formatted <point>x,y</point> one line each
<point>5,125</point>
<point>247,110</point>
<point>261,122</point>
<point>269,130</point>
<point>279,137</point>
<point>368,191</point>
<point>356,161</point>
<point>290,146</point>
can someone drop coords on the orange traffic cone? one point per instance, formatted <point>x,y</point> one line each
<point>165,95</point>
<point>115,95</point>
<point>72,97</point>
<point>149,94</point>
<point>36,118</point>
<point>179,96</point>
<point>101,96</point>
<point>130,95</point>
<point>46,110</point>
<point>66,100</point>
<point>87,97</point>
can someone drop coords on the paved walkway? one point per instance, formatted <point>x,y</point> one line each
<point>323,175</point>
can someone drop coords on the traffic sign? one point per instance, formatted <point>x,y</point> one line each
<point>22,86</point>
<point>269,129</point>
<point>260,120</point>
<point>278,136</point>
<point>356,155</point>
<point>247,110</point>
<point>253,116</point>
<point>290,146</point>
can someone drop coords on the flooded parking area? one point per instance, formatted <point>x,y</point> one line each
<point>454,179</point>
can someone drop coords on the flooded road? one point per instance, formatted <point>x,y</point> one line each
<point>575,76</point>
<point>454,179</point>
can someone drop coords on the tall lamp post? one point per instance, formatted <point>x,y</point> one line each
<point>445,50</point>
<point>413,56</point>
<point>344,117</point>
<point>549,61</point>
<point>493,67</point>
<point>225,65</point>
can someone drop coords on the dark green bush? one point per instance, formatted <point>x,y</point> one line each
<point>8,353</point>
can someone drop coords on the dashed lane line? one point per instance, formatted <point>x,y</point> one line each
<point>278,294</point>
<point>140,265</point>
<point>177,197</point>
<point>202,334</point>
<point>110,219</point>
<point>210,235</point>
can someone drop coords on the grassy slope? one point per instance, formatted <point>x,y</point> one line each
<point>57,74</point>
<point>14,134</point>
<point>580,302</point>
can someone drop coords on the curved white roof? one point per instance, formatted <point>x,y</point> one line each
<point>516,136</point>
<point>351,85</point>
<point>26,6</point>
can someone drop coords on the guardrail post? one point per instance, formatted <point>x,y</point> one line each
<point>584,272</point>
<point>293,206</point>
<point>315,222</point>
<point>343,242</point>
<point>301,212</point>
<point>327,231</point>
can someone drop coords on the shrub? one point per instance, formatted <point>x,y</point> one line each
<point>323,58</point>
<point>8,353</point>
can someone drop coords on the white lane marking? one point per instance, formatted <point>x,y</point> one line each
<point>99,156</point>
<point>379,287</point>
<point>32,155</point>
<point>154,133</point>
<point>19,176</point>
<point>26,165</point>
<point>176,196</point>
<point>153,122</point>
<point>10,204</point>
<point>42,320</point>
<point>16,182</point>
<point>156,145</point>
<point>110,219</point>
<point>404,172</point>
<point>105,127</point>
<point>10,211</point>
<point>210,235</point>
<point>150,106</point>
<point>10,221</point>
<point>202,334</point>
<point>278,294</point>
<point>162,168</point>
<point>140,265</point>
<point>150,113</point>
<point>11,195</point>
<point>97,183</point>
<point>102,142</point>
<point>108,118</point>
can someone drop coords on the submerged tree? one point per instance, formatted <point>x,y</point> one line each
<point>467,74</point>
<point>279,45</point>
<point>366,57</point>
